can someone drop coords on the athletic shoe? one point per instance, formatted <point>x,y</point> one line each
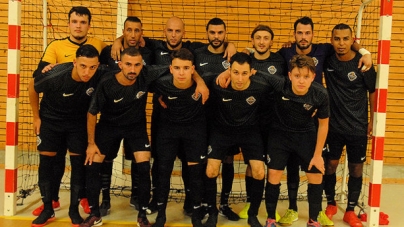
<point>351,218</point>
<point>160,221</point>
<point>212,219</point>
<point>45,217</point>
<point>244,212</point>
<point>85,206</point>
<point>196,217</point>
<point>330,211</point>
<point>226,211</point>
<point>143,222</point>
<point>76,219</point>
<point>253,222</point>
<point>289,217</point>
<point>55,205</point>
<point>188,208</point>
<point>270,223</point>
<point>134,202</point>
<point>277,216</point>
<point>204,212</point>
<point>152,208</point>
<point>312,223</point>
<point>91,221</point>
<point>324,220</point>
<point>105,208</point>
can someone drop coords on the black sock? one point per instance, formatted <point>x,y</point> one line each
<point>185,174</point>
<point>134,175</point>
<point>59,164</point>
<point>271,198</point>
<point>196,184</point>
<point>77,176</point>
<point>256,197</point>
<point>106,174</point>
<point>45,179</point>
<point>354,191</point>
<point>248,185</point>
<point>227,182</point>
<point>154,175</point>
<point>93,187</point>
<point>329,182</point>
<point>144,186</point>
<point>314,192</point>
<point>293,179</point>
<point>210,191</point>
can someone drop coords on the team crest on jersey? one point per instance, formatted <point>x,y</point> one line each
<point>209,149</point>
<point>315,61</point>
<point>307,106</point>
<point>140,94</point>
<point>90,91</point>
<point>352,76</point>
<point>251,100</point>
<point>272,69</point>
<point>38,140</point>
<point>226,64</point>
<point>196,96</point>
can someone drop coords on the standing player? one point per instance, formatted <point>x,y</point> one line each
<point>350,91</point>
<point>60,124</point>
<point>273,63</point>
<point>132,32</point>
<point>235,124</point>
<point>62,51</point>
<point>297,99</point>
<point>210,59</point>
<point>182,127</point>
<point>304,33</point>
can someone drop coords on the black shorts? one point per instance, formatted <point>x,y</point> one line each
<point>187,140</point>
<point>356,147</point>
<point>249,141</point>
<point>108,139</point>
<point>58,136</point>
<point>282,145</point>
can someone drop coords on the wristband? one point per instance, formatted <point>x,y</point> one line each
<point>363,51</point>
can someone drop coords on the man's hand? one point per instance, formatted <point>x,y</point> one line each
<point>365,63</point>
<point>287,44</point>
<point>37,125</point>
<point>318,162</point>
<point>162,103</point>
<point>202,89</point>
<point>116,49</point>
<point>370,130</point>
<point>48,68</point>
<point>223,80</point>
<point>91,151</point>
<point>230,51</point>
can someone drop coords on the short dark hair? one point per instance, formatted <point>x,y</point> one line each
<point>241,58</point>
<point>304,20</point>
<point>302,61</point>
<point>215,21</point>
<point>81,11</point>
<point>183,54</point>
<point>262,27</point>
<point>132,19</point>
<point>88,51</point>
<point>341,26</point>
<point>131,51</point>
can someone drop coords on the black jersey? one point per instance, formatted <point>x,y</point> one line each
<point>162,55</point>
<point>293,113</point>
<point>206,61</point>
<point>64,98</point>
<point>105,58</point>
<point>124,105</point>
<point>319,53</point>
<point>348,87</point>
<point>237,111</point>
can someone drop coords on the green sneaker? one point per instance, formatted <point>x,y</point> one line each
<point>324,220</point>
<point>277,216</point>
<point>288,218</point>
<point>244,212</point>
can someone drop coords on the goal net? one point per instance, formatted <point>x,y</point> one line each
<point>240,17</point>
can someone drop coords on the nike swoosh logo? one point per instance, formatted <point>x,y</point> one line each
<point>226,100</point>
<point>118,100</point>
<point>330,70</point>
<point>147,145</point>
<point>284,98</point>
<point>202,157</point>
<point>68,55</point>
<point>202,64</point>
<point>164,53</point>
<point>67,95</point>
<point>170,97</point>
<point>363,158</point>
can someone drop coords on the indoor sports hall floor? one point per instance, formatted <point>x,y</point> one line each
<point>123,215</point>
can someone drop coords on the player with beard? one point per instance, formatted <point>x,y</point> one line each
<point>210,58</point>
<point>132,32</point>
<point>62,51</point>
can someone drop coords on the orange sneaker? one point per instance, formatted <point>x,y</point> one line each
<point>85,206</point>
<point>37,211</point>
<point>330,211</point>
<point>351,218</point>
